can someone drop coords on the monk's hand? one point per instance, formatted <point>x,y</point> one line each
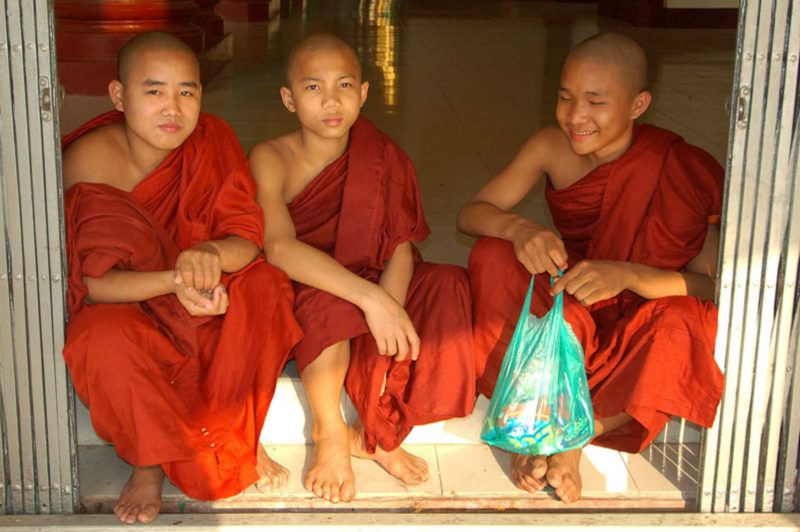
<point>199,267</point>
<point>590,281</point>
<point>391,327</point>
<point>203,302</point>
<point>539,249</point>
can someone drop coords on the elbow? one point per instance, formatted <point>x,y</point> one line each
<point>274,250</point>
<point>461,221</point>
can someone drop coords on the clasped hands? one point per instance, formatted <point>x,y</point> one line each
<point>198,270</point>
<point>589,281</point>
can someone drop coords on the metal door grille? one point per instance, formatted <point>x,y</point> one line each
<point>751,453</point>
<point>38,461</point>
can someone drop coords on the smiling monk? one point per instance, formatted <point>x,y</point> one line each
<point>636,211</point>
<point>177,331</point>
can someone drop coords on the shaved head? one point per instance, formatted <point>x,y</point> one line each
<point>317,42</point>
<point>616,50</point>
<point>150,42</point>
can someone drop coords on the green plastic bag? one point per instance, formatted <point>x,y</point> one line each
<point>541,403</point>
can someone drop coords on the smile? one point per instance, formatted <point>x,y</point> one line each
<point>582,134</point>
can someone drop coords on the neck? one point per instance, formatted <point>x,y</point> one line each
<point>321,151</point>
<point>143,159</point>
<point>614,151</point>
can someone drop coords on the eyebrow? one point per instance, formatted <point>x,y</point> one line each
<point>155,82</point>
<point>312,78</point>
<point>588,93</point>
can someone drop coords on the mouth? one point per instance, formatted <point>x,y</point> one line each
<point>581,134</point>
<point>170,127</point>
<point>332,121</point>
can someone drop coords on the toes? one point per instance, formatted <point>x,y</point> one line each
<point>147,514</point>
<point>331,490</point>
<point>348,490</point>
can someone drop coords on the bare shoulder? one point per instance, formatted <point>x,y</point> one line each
<point>270,160</point>
<point>94,157</point>
<point>551,145</point>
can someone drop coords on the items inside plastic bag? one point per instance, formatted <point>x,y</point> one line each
<point>541,403</point>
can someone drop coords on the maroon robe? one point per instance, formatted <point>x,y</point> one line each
<point>651,359</point>
<point>358,210</point>
<point>166,388</point>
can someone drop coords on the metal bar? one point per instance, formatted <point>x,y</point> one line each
<point>61,435</point>
<point>14,432</point>
<point>783,320</point>
<point>716,472</point>
<point>767,229</point>
<point>791,419</point>
<point>6,345</point>
<point>32,208</point>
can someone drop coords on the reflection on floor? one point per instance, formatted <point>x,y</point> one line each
<point>460,85</point>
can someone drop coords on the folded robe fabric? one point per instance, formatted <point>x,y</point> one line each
<point>188,393</point>
<point>358,210</point>
<point>649,358</point>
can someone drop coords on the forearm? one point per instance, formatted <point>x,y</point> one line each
<point>306,264</point>
<point>397,275</point>
<point>652,283</point>
<point>120,286</point>
<point>235,252</point>
<point>480,218</point>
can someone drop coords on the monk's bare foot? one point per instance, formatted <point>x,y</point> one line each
<point>410,469</point>
<point>564,476</point>
<point>271,475</point>
<point>331,475</point>
<point>140,499</point>
<point>529,472</point>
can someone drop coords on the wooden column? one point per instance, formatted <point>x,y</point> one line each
<point>89,33</point>
<point>244,10</point>
<point>210,22</point>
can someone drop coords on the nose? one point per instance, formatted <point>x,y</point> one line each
<point>330,98</point>
<point>575,112</point>
<point>171,104</point>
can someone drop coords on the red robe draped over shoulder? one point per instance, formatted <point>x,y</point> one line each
<point>649,358</point>
<point>164,387</point>
<point>358,210</point>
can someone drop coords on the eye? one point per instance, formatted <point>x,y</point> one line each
<point>154,92</point>
<point>312,87</point>
<point>187,93</point>
<point>346,85</point>
<point>564,98</point>
<point>596,103</point>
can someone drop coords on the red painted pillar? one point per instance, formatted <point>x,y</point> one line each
<point>210,22</point>
<point>244,10</point>
<point>89,33</point>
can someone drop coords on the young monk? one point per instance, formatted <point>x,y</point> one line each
<point>177,333</point>
<point>342,208</point>
<point>635,208</point>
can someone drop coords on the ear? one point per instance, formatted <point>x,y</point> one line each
<point>364,91</point>
<point>115,91</point>
<point>640,104</point>
<point>288,99</point>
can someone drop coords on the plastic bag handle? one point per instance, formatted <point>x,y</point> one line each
<point>558,300</point>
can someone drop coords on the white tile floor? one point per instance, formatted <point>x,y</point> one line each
<point>460,85</point>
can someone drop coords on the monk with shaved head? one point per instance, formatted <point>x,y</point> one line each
<point>636,212</point>
<point>178,329</point>
<point>342,211</point>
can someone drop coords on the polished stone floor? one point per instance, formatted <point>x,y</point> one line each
<point>460,85</point>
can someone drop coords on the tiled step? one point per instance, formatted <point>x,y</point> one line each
<point>288,421</point>
<point>463,477</point>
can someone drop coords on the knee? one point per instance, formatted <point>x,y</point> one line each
<point>490,257</point>
<point>261,277</point>
<point>446,279</point>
